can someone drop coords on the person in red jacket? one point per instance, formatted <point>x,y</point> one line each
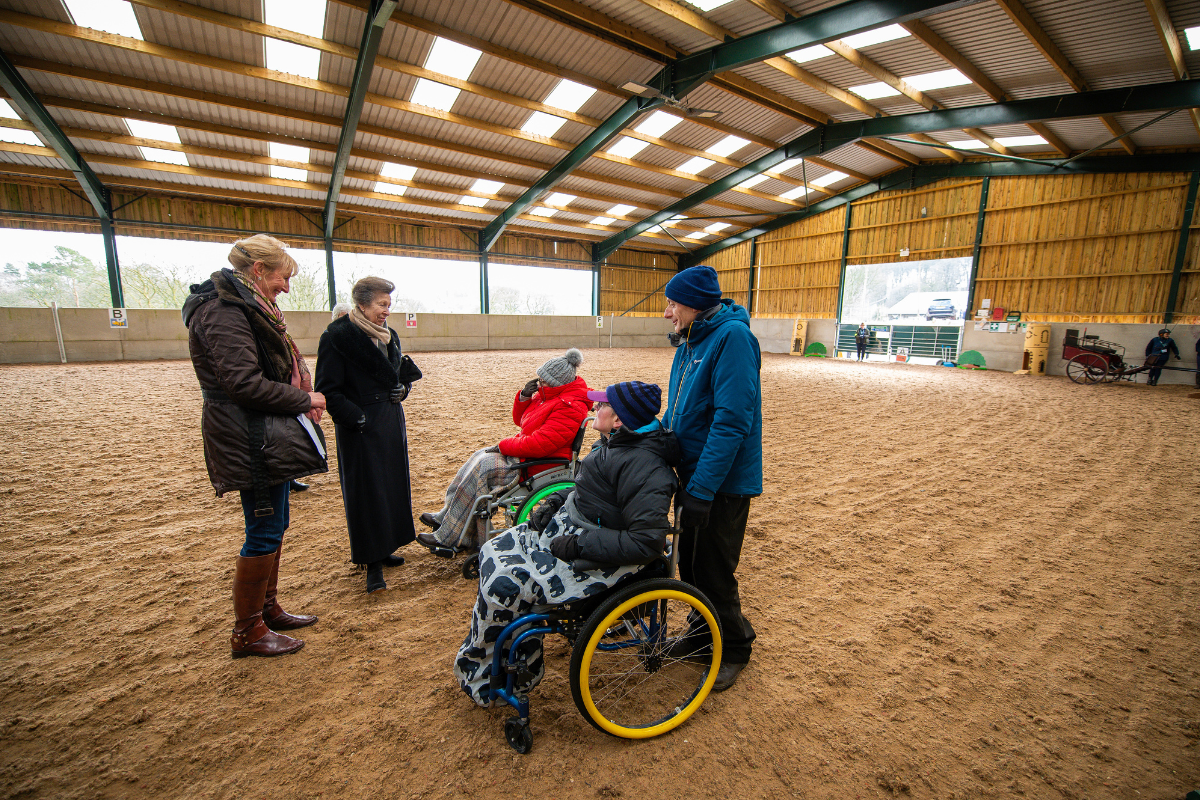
<point>549,410</point>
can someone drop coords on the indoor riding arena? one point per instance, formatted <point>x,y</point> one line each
<point>963,234</point>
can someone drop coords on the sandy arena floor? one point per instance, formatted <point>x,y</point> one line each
<point>965,585</point>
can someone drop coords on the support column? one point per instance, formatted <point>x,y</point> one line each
<point>753,272</point>
<point>975,251</point>
<point>842,273</point>
<point>484,303</point>
<point>115,289</point>
<point>595,288</point>
<point>329,276</point>
<point>1189,208</point>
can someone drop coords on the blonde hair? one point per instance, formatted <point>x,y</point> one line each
<point>261,247</point>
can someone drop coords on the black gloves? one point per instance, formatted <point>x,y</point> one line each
<point>399,393</point>
<point>550,505</point>
<point>360,424</point>
<point>529,389</point>
<point>694,511</point>
<point>566,548</point>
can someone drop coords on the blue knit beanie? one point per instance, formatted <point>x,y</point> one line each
<point>695,287</point>
<point>635,403</point>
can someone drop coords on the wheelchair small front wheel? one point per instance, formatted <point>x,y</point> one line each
<point>646,659</point>
<point>518,734</point>
<point>470,567</point>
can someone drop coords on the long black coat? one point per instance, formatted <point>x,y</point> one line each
<point>356,380</point>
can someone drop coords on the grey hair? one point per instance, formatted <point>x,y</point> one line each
<point>341,310</point>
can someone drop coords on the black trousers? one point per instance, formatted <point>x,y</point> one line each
<point>862,349</point>
<point>707,560</point>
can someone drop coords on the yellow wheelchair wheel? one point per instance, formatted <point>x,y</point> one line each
<point>646,659</point>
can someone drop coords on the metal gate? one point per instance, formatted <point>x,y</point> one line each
<point>922,341</point>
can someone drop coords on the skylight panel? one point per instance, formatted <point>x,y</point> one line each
<point>1020,141</point>
<point>694,165</point>
<point>871,91</point>
<point>707,5</point>
<point>6,111</point>
<point>154,130</point>
<point>603,220</point>
<point>561,199</point>
<point>467,200</point>
<point>786,165</point>
<point>541,124</point>
<point>698,235</point>
<point>809,53</point>
<point>301,16</point>
<point>755,181</point>
<point>401,172</point>
<point>451,58</point>
<point>657,124</point>
<point>730,144</point>
<point>620,210</point>
<point>716,226</point>
<point>798,192</point>
<point>18,136</point>
<point>541,211</point>
<point>937,80</point>
<point>288,173</point>
<point>294,59</point>
<point>569,96</point>
<point>969,144</point>
<point>164,156</point>
<point>484,186</point>
<point>868,38</point>
<point>389,188</point>
<point>1193,37</point>
<point>832,177</point>
<point>627,147</point>
<point>113,16</point>
<point>433,94</point>
<point>288,152</point>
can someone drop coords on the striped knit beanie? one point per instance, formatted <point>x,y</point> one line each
<point>635,403</point>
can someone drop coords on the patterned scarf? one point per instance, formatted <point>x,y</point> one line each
<point>301,378</point>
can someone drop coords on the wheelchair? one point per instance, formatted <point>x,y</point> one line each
<point>645,655</point>
<point>520,497</point>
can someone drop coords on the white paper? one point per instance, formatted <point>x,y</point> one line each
<point>306,423</point>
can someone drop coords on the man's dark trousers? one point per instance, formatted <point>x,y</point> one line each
<point>708,559</point>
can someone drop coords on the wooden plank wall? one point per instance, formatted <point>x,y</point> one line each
<point>799,268</point>
<point>1082,248</point>
<point>933,222</point>
<point>733,271</point>
<point>1187,304</point>
<point>634,278</point>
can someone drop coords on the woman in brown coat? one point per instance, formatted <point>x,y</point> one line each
<point>259,425</point>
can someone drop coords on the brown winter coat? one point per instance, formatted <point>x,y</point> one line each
<point>236,351</point>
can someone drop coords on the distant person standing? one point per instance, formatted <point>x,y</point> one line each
<point>861,337</point>
<point>715,410</point>
<point>1158,352</point>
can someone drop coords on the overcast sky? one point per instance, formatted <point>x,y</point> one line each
<point>441,286</point>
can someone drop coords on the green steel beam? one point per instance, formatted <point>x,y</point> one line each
<point>678,78</point>
<point>980,218</point>
<point>819,27</point>
<point>1153,97</point>
<point>929,173</point>
<point>378,14</point>
<point>630,110</point>
<point>1189,208</point>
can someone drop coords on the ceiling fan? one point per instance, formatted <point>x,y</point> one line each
<point>649,91</point>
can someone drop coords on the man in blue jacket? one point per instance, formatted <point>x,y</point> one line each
<point>714,407</point>
<point>1159,349</point>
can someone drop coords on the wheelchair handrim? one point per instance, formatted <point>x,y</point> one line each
<point>687,711</point>
<point>537,497</point>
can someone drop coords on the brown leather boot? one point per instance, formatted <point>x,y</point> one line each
<point>273,614</point>
<point>251,637</point>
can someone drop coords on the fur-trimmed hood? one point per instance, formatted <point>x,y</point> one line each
<point>353,344</point>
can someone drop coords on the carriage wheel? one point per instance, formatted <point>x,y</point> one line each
<point>1087,368</point>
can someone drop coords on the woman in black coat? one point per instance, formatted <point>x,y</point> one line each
<point>364,378</point>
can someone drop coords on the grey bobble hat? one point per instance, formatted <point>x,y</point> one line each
<point>560,371</point>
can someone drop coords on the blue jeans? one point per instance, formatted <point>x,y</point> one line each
<point>265,534</point>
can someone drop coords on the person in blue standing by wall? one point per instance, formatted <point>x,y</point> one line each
<point>1160,348</point>
<point>861,337</point>
<point>714,407</point>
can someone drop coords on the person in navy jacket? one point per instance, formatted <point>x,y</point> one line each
<point>714,407</point>
<point>1160,348</point>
